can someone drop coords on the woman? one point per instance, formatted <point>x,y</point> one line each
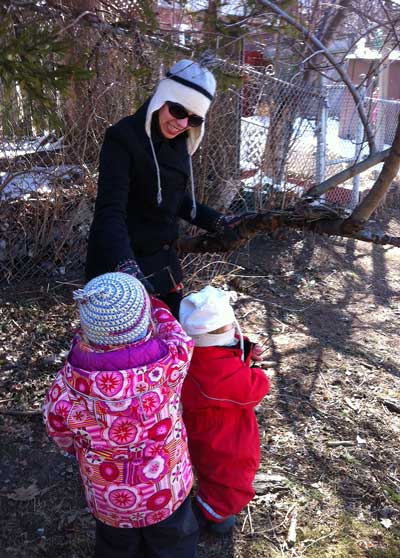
<point>145,166</point>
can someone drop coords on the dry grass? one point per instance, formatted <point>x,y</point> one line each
<point>327,315</point>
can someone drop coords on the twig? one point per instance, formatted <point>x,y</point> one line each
<point>251,276</point>
<point>323,379</point>
<point>250,520</point>
<point>393,406</point>
<point>20,412</point>
<point>17,325</point>
<point>69,283</point>
<point>291,538</point>
<point>320,539</point>
<point>275,527</point>
<point>336,443</point>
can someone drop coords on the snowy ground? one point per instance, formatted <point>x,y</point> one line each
<point>47,142</point>
<point>37,179</point>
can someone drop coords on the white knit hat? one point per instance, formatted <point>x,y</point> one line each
<point>192,86</point>
<point>206,310</point>
<point>114,309</point>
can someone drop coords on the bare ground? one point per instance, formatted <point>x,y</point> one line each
<point>329,483</point>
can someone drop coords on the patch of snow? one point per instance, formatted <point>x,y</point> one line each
<point>9,149</point>
<point>263,182</point>
<point>364,52</point>
<point>254,132</point>
<point>37,179</point>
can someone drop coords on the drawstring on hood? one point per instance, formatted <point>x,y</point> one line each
<point>159,194</point>
<point>192,86</point>
<point>241,340</point>
<point>193,211</point>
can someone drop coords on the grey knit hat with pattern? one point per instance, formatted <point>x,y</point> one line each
<point>114,309</point>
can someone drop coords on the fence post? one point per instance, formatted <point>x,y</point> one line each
<point>321,138</point>
<point>355,193</point>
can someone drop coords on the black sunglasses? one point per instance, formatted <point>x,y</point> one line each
<point>179,112</point>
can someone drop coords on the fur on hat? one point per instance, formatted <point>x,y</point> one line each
<point>114,309</point>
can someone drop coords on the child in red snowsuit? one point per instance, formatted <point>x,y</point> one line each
<point>218,397</point>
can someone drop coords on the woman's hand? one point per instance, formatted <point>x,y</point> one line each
<point>131,267</point>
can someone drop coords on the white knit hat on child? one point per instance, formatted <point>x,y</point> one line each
<point>114,309</point>
<point>206,311</point>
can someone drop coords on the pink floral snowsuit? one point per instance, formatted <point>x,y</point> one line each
<point>119,411</point>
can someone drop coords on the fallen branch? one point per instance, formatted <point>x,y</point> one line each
<point>319,189</point>
<point>323,219</point>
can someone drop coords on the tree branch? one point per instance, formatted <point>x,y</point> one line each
<point>323,220</point>
<point>319,189</point>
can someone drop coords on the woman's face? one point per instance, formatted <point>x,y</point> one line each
<point>171,127</point>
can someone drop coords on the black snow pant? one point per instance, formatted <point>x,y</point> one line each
<point>174,537</point>
<point>173,300</point>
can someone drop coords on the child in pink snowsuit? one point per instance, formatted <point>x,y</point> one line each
<point>115,405</point>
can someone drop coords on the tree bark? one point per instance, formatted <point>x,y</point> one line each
<point>320,220</point>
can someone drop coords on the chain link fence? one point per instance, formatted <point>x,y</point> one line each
<point>345,141</point>
<point>267,141</point>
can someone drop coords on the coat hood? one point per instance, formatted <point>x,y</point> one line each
<point>115,377</point>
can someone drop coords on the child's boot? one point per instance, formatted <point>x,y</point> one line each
<point>223,527</point>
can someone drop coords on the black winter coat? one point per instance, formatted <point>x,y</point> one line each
<point>128,223</point>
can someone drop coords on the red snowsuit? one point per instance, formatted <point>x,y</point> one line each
<point>218,397</point>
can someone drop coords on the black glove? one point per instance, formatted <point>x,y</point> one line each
<point>229,237</point>
<point>131,267</point>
